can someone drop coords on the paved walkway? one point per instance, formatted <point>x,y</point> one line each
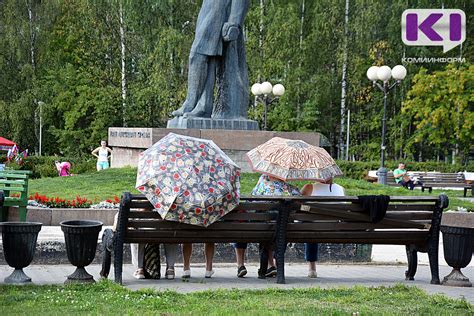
<point>391,254</point>
<point>329,276</point>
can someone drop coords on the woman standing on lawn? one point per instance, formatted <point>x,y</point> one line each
<point>102,154</point>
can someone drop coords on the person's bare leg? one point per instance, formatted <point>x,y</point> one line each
<point>209,251</point>
<point>240,256</point>
<point>271,260</point>
<point>197,73</point>
<point>187,250</point>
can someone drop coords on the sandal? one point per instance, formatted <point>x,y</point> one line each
<point>139,274</point>
<point>169,275</point>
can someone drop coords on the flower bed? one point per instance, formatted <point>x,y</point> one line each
<point>43,201</point>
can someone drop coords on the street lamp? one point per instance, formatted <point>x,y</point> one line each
<point>40,104</point>
<point>384,73</point>
<point>267,94</point>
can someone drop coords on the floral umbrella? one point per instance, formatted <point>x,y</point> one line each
<point>288,159</point>
<point>189,180</point>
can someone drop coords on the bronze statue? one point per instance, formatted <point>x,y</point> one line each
<point>217,58</point>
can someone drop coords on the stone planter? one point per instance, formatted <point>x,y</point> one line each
<point>81,243</point>
<point>19,244</point>
<point>458,244</point>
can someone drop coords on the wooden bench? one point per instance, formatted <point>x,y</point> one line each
<point>14,184</point>
<point>391,179</point>
<point>446,180</point>
<point>410,221</point>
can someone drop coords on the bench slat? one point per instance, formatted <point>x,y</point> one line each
<point>168,225</point>
<point>16,189</point>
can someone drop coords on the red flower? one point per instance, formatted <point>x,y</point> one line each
<point>186,193</point>
<point>188,150</point>
<point>176,189</point>
<point>176,176</point>
<point>173,159</point>
<point>178,155</point>
<point>219,160</point>
<point>202,146</point>
<point>203,154</point>
<point>141,188</point>
<point>157,205</point>
<point>157,191</point>
<point>210,209</point>
<point>174,206</point>
<point>211,190</point>
<point>228,196</point>
<point>198,211</point>
<point>116,199</point>
<point>108,201</point>
<point>212,169</point>
<point>163,168</point>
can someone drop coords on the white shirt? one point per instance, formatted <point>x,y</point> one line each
<point>103,154</point>
<point>321,189</point>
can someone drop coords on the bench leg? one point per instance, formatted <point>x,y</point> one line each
<point>422,189</point>
<point>22,210</point>
<point>433,258</point>
<point>263,249</point>
<point>282,223</point>
<point>412,257</point>
<point>430,190</point>
<point>107,248</point>
<point>4,213</point>
<point>118,260</point>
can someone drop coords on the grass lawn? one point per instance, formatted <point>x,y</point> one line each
<point>105,184</point>
<point>111,299</point>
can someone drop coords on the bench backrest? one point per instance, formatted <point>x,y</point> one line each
<point>13,183</point>
<point>444,178</point>
<point>335,219</point>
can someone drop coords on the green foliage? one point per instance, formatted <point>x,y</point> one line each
<point>360,169</point>
<point>441,105</point>
<point>67,54</point>
<point>44,167</point>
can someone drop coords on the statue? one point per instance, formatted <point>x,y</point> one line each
<point>217,59</point>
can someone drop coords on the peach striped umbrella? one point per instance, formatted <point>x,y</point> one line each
<point>288,159</point>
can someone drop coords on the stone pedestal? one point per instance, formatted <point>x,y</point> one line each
<point>127,143</point>
<point>210,123</point>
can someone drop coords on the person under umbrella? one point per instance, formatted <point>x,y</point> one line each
<point>285,160</point>
<point>189,180</point>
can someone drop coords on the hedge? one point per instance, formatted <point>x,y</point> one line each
<point>360,169</point>
<point>43,166</point>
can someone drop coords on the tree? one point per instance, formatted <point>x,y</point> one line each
<point>441,105</point>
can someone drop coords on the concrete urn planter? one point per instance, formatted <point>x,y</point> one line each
<point>19,245</point>
<point>81,243</point>
<point>458,244</point>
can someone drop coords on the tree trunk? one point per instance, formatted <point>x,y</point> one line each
<point>298,101</point>
<point>122,58</point>
<point>344,83</point>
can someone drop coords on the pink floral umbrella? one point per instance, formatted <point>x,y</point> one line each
<point>189,180</point>
<point>289,159</point>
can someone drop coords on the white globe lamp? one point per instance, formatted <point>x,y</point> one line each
<point>278,90</point>
<point>266,87</point>
<point>372,73</point>
<point>256,89</point>
<point>399,72</point>
<point>384,73</point>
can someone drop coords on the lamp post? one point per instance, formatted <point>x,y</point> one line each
<point>40,104</point>
<point>384,73</point>
<point>266,93</point>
